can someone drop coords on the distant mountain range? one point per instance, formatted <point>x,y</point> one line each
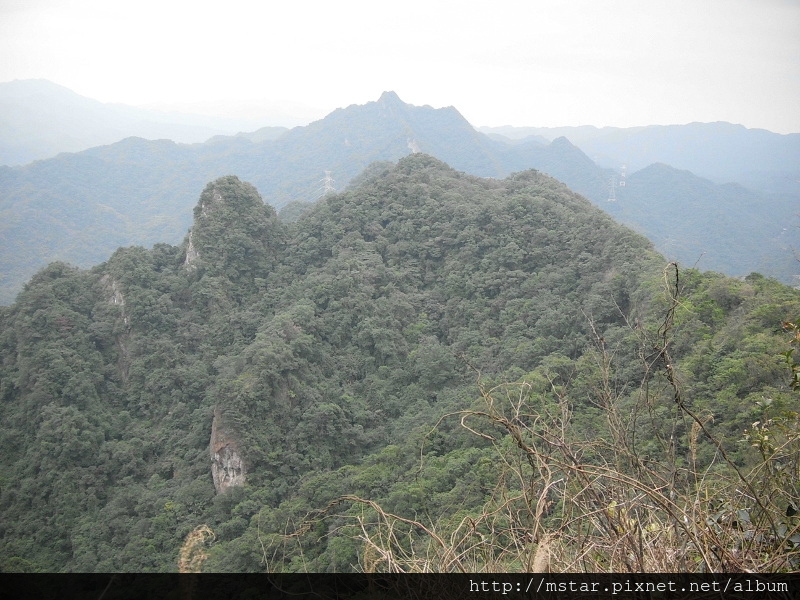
<point>721,152</point>
<point>80,207</point>
<point>39,119</point>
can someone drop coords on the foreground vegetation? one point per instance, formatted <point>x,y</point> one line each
<point>428,372</point>
<point>635,495</point>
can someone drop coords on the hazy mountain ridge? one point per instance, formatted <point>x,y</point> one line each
<point>726,228</point>
<point>40,119</point>
<point>722,152</point>
<point>150,185</point>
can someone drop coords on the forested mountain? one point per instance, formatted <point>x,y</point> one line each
<point>428,371</point>
<point>39,119</point>
<point>79,207</point>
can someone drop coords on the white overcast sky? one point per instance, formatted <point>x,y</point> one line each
<point>524,63</point>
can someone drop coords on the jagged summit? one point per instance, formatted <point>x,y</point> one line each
<point>390,98</point>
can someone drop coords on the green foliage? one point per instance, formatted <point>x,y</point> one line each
<point>333,348</point>
<point>793,329</point>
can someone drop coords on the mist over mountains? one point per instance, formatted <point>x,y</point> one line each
<point>80,207</point>
<point>39,119</point>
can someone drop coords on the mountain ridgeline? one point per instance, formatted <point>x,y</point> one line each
<point>78,208</point>
<point>267,378</point>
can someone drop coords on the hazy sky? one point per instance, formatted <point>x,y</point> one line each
<point>527,62</point>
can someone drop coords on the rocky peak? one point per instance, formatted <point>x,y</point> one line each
<point>390,99</point>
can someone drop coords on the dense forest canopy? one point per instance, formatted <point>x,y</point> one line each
<point>427,356</point>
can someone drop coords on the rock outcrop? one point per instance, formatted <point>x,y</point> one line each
<point>191,254</point>
<point>227,465</point>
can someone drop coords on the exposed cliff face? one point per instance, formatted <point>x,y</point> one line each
<point>115,296</point>
<point>191,254</point>
<point>227,465</point>
<point>113,292</point>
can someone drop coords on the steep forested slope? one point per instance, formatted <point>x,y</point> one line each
<point>261,370</point>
